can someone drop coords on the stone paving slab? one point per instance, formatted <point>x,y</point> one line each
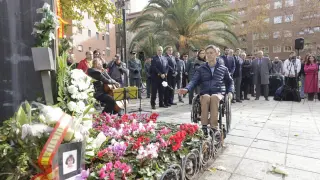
<point>263,133</point>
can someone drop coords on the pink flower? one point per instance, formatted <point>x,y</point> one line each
<point>117,164</point>
<point>102,173</point>
<point>112,175</point>
<point>109,166</point>
<point>165,131</point>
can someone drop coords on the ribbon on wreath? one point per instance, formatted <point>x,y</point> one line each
<point>61,21</point>
<point>50,171</point>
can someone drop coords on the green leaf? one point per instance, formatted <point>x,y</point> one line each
<point>21,116</point>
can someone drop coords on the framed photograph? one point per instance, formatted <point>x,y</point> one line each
<point>70,160</point>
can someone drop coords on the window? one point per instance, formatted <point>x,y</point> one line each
<point>287,33</point>
<point>255,36</point>
<point>265,49</point>
<point>276,34</point>
<point>316,29</point>
<point>277,20</point>
<point>102,37</point>
<point>80,48</point>
<point>287,49</point>
<point>267,20</point>
<point>90,48</point>
<point>276,49</point>
<point>108,28</point>
<point>79,30</point>
<point>108,40</point>
<point>89,32</point>
<point>277,4</point>
<point>308,31</point>
<point>97,35</point>
<point>255,49</point>
<point>288,18</point>
<point>264,36</point>
<point>288,3</point>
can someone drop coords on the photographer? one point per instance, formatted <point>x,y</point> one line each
<point>117,70</point>
<point>291,68</point>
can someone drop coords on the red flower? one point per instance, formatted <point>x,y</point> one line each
<point>140,141</point>
<point>190,129</point>
<point>177,139</point>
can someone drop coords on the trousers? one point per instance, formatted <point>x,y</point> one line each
<point>237,82</point>
<point>178,84</point>
<point>108,101</point>
<point>156,87</point>
<point>264,86</point>
<point>210,103</point>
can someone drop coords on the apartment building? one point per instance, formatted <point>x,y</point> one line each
<point>87,37</point>
<point>273,25</point>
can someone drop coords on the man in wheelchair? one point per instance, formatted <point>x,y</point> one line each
<point>215,82</point>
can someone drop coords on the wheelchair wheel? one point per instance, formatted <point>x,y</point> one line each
<point>195,110</point>
<point>228,114</point>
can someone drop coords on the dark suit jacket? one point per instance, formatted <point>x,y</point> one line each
<point>172,65</point>
<point>229,62</point>
<point>159,66</point>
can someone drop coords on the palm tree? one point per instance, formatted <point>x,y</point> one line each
<point>187,24</point>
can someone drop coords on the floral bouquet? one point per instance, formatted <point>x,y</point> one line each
<point>44,31</point>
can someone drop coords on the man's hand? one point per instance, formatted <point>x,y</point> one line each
<point>163,76</point>
<point>117,84</point>
<point>182,91</point>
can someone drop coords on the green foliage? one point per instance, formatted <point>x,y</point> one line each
<point>63,77</point>
<point>64,45</point>
<point>18,157</point>
<point>102,11</point>
<point>185,24</point>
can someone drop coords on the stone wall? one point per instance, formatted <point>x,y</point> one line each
<point>18,80</point>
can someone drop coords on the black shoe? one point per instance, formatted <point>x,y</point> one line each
<point>148,97</point>
<point>181,101</point>
<point>246,98</point>
<point>153,107</point>
<point>239,101</point>
<point>167,105</point>
<point>163,106</point>
<point>267,99</point>
<point>173,103</point>
<point>253,95</point>
<point>233,101</point>
<point>256,99</point>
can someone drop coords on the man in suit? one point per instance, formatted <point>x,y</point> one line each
<point>147,65</point>
<point>180,72</point>
<point>228,60</point>
<point>171,78</point>
<point>135,67</point>
<point>237,76</point>
<point>159,71</point>
<point>261,67</point>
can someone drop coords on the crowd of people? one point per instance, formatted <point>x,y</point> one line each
<point>251,75</point>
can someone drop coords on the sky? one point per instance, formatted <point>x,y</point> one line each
<point>137,5</point>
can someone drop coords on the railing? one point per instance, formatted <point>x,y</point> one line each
<point>194,161</point>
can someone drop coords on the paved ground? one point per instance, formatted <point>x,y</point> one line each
<point>263,133</point>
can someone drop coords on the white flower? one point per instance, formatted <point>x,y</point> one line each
<point>46,6</point>
<point>113,141</point>
<point>78,137</point>
<point>164,84</point>
<point>52,115</point>
<point>34,31</point>
<point>35,130</point>
<point>72,106</point>
<point>81,106</point>
<point>90,153</point>
<point>72,89</point>
<point>51,36</point>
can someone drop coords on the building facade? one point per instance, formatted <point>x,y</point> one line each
<point>86,37</point>
<point>273,25</point>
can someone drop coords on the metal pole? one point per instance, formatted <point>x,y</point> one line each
<point>124,34</point>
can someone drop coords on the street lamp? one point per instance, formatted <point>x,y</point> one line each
<point>122,5</point>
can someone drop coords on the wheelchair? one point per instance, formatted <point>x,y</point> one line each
<point>224,112</point>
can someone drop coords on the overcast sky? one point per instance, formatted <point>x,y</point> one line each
<point>137,5</point>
